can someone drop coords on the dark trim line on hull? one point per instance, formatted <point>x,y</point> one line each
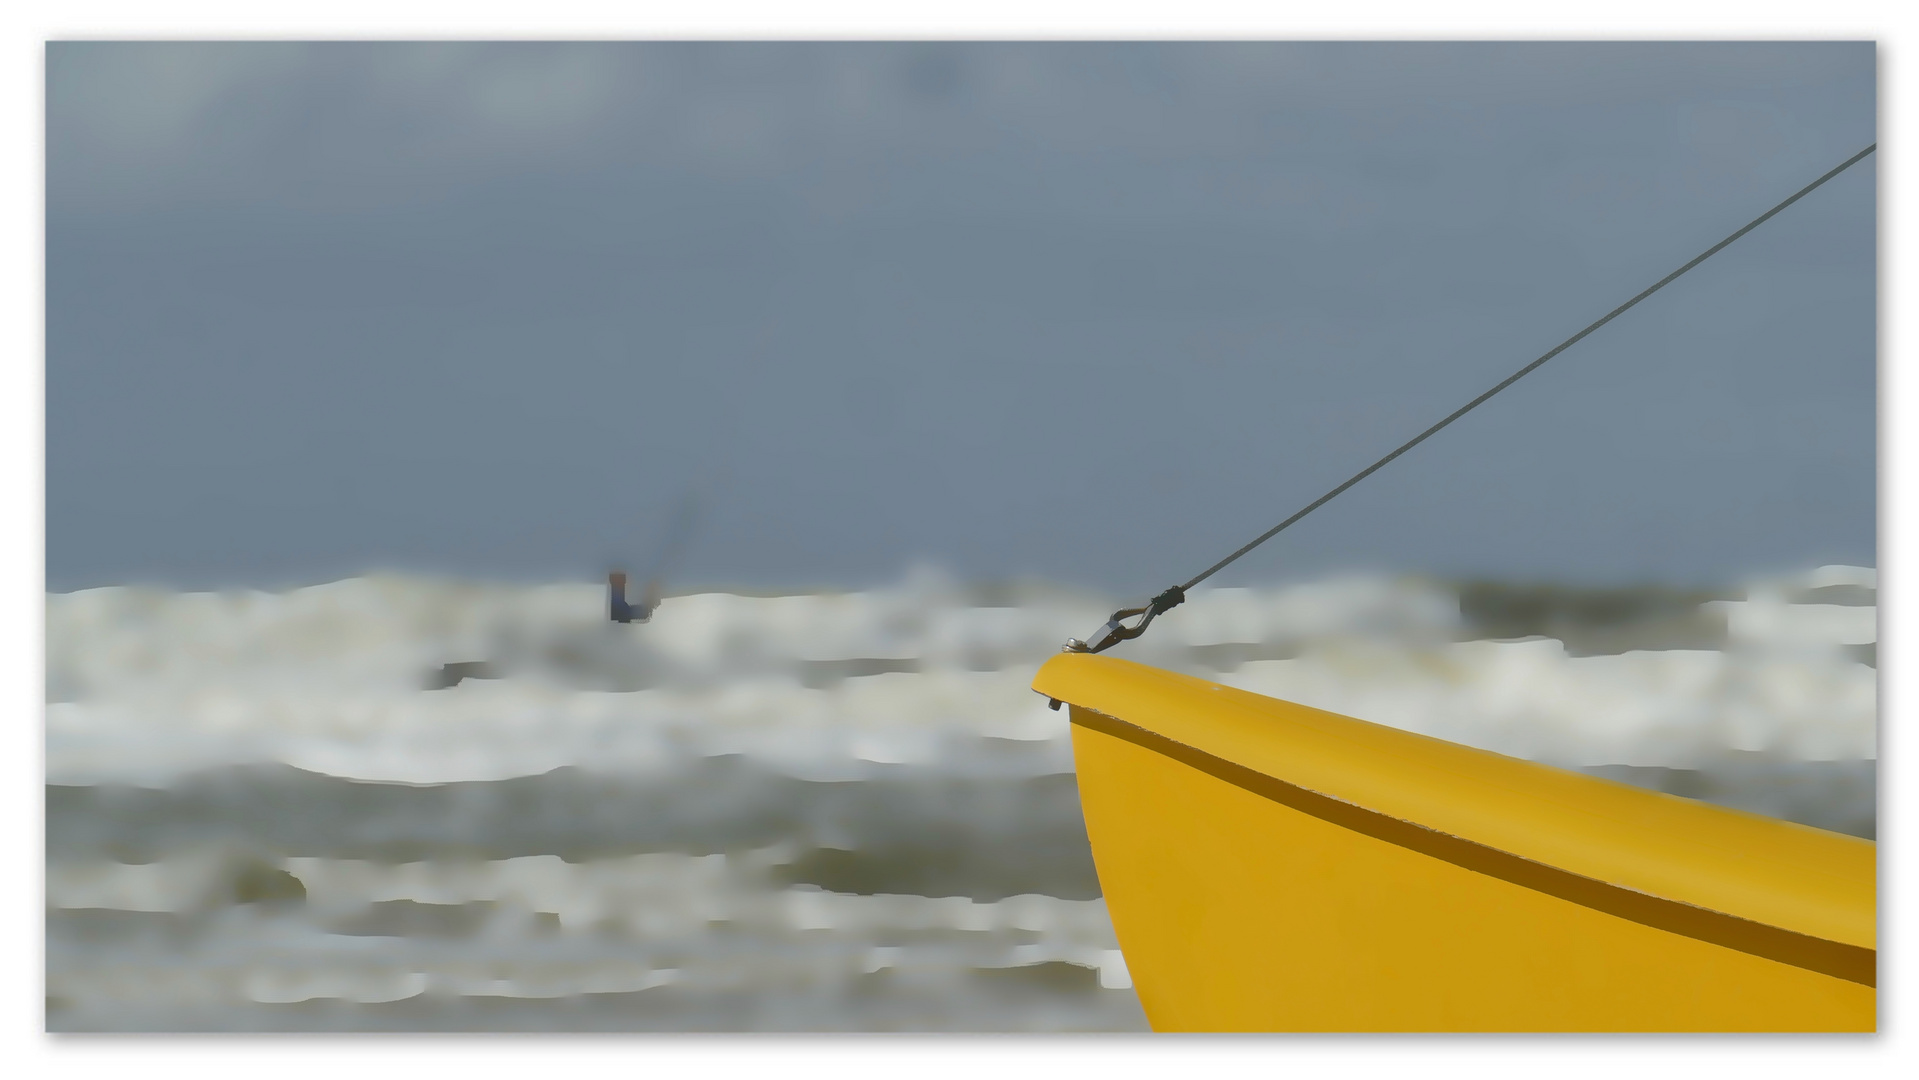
<point>1852,963</point>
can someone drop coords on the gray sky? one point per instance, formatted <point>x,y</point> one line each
<point>1098,313</point>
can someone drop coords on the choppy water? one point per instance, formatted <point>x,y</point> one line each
<point>406,803</point>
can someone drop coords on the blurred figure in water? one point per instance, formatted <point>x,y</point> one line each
<point>679,528</point>
<point>624,612</point>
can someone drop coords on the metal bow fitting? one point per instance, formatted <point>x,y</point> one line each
<point>1116,630</point>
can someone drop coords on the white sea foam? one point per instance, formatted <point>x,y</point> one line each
<point>1676,708</point>
<point>146,685</point>
<point>613,926</point>
<point>801,812</point>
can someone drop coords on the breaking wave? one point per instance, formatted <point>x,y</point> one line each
<point>406,802</point>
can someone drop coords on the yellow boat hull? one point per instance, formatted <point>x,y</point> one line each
<point>1270,867</point>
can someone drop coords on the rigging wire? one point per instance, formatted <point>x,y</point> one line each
<point>1115,630</point>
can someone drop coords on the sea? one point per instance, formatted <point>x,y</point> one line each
<point>413,803</point>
